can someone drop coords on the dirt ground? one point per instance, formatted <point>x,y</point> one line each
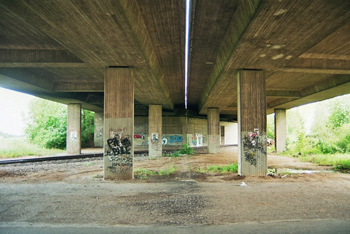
<point>75,192</point>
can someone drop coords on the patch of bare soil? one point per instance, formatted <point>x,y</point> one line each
<point>73,191</point>
<point>187,168</point>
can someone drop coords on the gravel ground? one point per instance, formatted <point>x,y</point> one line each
<point>74,192</point>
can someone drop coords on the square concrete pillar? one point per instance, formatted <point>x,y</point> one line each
<point>155,131</point>
<point>74,129</point>
<point>98,131</point>
<point>252,160</point>
<point>280,130</point>
<point>184,121</point>
<point>213,130</point>
<point>119,124</point>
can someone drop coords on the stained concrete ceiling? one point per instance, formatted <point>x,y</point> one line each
<point>59,50</point>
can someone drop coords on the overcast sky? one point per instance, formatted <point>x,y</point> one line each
<point>13,105</point>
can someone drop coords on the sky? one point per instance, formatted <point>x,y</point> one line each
<point>14,106</point>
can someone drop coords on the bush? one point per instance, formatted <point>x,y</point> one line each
<point>47,125</point>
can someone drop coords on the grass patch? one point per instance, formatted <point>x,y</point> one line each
<point>17,147</point>
<point>232,168</point>
<point>339,162</point>
<point>185,150</point>
<point>145,173</point>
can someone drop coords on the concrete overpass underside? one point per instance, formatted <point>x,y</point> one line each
<point>244,54</point>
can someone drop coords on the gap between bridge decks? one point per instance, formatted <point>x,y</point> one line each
<point>187,42</point>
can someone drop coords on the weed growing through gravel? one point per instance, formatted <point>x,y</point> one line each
<point>232,168</point>
<point>145,174</point>
<point>185,150</point>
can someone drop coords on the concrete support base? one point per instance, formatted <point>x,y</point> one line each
<point>280,130</point>
<point>155,131</point>
<point>252,123</point>
<point>74,129</point>
<point>119,124</point>
<point>213,130</point>
<point>98,133</point>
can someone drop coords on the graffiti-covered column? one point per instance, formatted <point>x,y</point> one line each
<point>74,128</point>
<point>119,124</point>
<point>213,130</point>
<point>252,123</point>
<point>280,130</point>
<point>155,131</point>
<point>98,131</point>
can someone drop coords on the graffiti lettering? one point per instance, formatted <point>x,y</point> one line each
<point>119,152</point>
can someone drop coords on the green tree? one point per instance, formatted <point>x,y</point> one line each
<point>270,128</point>
<point>87,128</point>
<point>47,125</point>
<point>340,115</point>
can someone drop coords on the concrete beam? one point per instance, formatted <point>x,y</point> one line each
<point>78,87</point>
<point>283,94</point>
<point>331,87</point>
<point>138,28</point>
<point>26,82</point>
<point>43,65</point>
<point>37,56</point>
<point>315,70</point>
<point>240,22</point>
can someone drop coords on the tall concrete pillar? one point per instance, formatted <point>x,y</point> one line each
<point>184,121</point>
<point>213,130</point>
<point>98,131</point>
<point>74,129</point>
<point>155,131</point>
<point>280,130</point>
<point>252,160</point>
<point>119,124</point>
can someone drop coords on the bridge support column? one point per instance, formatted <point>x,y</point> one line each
<point>155,131</point>
<point>119,124</point>
<point>252,158</point>
<point>184,121</point>
<point>280,130</point>
<point>98,131</point>
<point>74,129</point>
<point>213,130</point>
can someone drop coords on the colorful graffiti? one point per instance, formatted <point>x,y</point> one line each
<point>154,137</point>
<point>196,139</point>
<point>254,147</point>
<point>171,139</point>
